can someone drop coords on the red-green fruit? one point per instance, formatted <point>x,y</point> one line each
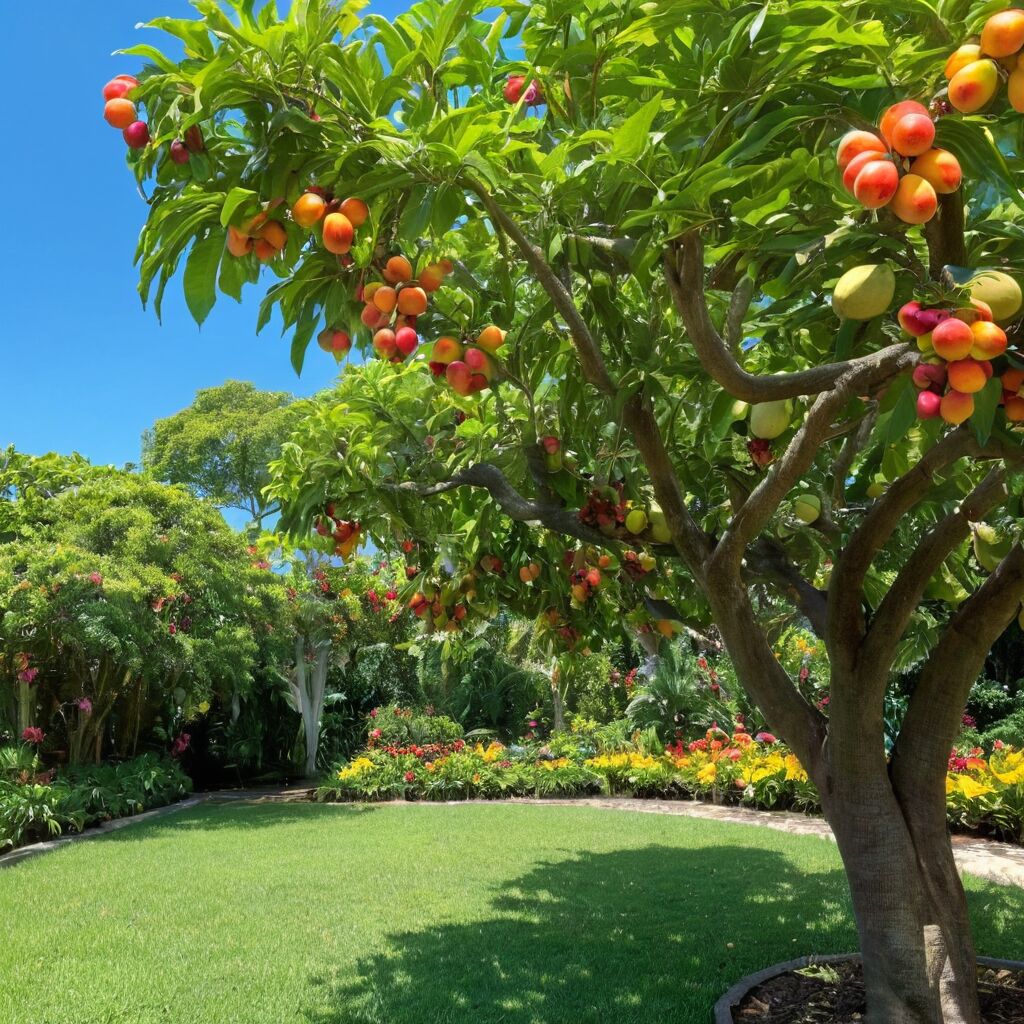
<point>406,340</point>
<point>876,184</point>
<point>940,169</point>
<point>989,340</point>
<point>895,114</point>
<point>973,86</point>
<point>956,407</point>
<point>1003,33</point>
<point>331,340</point>
<point>855,143</point>
<point>356,210</point>
<point>384,343</point>
<point>929,405</point>
<point>179,152</point>
<point>309,209</point>
<point>119,112</point>
<point>338,233</point>
<point>459,377</point>
<point>551,444</point>
<point>913,134</point>
<point>446,350</point>
<point>952,339</point>
<point>137,135</point>
<point>967,376</point>
<point>915,200</point>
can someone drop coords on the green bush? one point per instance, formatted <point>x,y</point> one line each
<point>989,703</point>
<point>395,726</point>
<point>1009,731</point>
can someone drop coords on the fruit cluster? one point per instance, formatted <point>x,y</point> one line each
<point>900,170</point>
<point>345,532</point>
<point>430,606</point>
<point>605,509</point>
<point>528,573</point>
<point>636,565</point>
<point>584,582</point>
<point>958,346</point>
<point>337,219</point>
<point>975,70</point>
<point>120,112</point>
<point>261,234</point>
<point>468,368</point>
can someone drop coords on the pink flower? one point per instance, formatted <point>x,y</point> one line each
<point>765,737</point>
<point>96,579</point>
<point>375,734</point>
<point>969,721</point>
<point>998,745</point>
<point>373,713</point>
<point>33,735</point>
<point>28,675</point>
<point>181,744</point>
<point>85,705</point>
<point>532,724</point>
<point>804,673</point>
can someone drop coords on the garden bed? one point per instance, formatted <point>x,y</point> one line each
<point>830,990</point>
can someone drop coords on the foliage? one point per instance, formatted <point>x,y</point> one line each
<point>220,446</point>
<point>395,725</point>
<point>35,805</point>
<point>989,703</point>
<point>1010,731</point>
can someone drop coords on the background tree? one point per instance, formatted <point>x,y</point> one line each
<point>646,197</point>
<point>220,446</point>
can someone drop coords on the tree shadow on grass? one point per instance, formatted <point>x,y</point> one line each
<point>629,936</point>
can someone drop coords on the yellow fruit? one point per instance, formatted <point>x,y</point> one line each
<point>864,292</point>
<point>770,419</point>
<point>807,508</point>
<point>999,291</point>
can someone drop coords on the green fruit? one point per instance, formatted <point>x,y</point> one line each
<point>999,291</point>
<point>876,489</point>
<point>636,521</point>
<point>769,419</point>
<point>864,292</point>
<point>807,508</point>
<point>990,546</point>
<point>660,532</point>
<point>739,410</point>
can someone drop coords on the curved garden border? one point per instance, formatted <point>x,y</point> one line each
<point>732,998</point>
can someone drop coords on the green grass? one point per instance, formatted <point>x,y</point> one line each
<point>306,914</point>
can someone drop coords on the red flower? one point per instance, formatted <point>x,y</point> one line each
<point>181,744</point>
<point>96,579</point>
<point>410,776</point>
<point>766,737</point>
<point>392,595</point>
<point>33,735</point>
<point>373,713</point>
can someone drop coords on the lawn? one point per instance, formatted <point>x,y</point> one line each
<point>307,914</point>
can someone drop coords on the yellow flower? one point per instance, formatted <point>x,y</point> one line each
<point>794,769</point>
<point>204,707</point>
<point>430,766</point>
<point>1013,765</point>
<point>972,788</point>
<point>476,779</point>
<point>708,773</point>
<point>360,766</point>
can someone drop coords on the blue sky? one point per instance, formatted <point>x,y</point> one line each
<point>82,366</point>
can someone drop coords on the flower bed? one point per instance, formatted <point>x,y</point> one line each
<point>37,805</point>
<point>985,793</point>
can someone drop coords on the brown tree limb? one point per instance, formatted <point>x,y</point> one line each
<point>768,559</point>
<point>853,444</point>
<point>944,234</point>
<point>686,286</point>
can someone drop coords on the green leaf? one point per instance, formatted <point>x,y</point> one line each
<point>904,412</point>
<point>200,279</point>
<point>986,402</point>
<point>629,139</point>
<point>234,199</point>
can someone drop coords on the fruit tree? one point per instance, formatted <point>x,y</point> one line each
<point>670,313</point>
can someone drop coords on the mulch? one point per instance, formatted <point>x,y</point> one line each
<point>834,994</point>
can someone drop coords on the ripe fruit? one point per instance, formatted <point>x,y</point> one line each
<point>770,419</point>
<point>117,87</point>
<point>989,340</point>
<point>338,233</point>
<point>864,292</point>
<point>929,403</point>
<point>807,508</point>
<point>459,377</point>
<point>137,135</point>
<point>308,210</point>
<point>445,351</point>
<point>913,134</point>
<point>356,210</point>
<point>918,320</point>
<point>385,299</point>
<point>973,86</point>
<point>372,317</point>
<point>952,339</point>
<point>384,343</point>
<point>940,169</point>
<point>431,278</point>
<point>265,252</point>
<point>369,290</point>
<point>194,139</point>
<point>397,269</point>
<point>915,200</point>
<point>858,163</point>
<point>894,114</point>
<point>876,184</point>
<point>514,90</point>
<point>1003,33</point>
<point>999,291</point>
<point>273,233</point>
<point>491,338</point>
<point>855,143</point>
<point>119,112</point>
<point>238,244</point>
<point>928,375</point>
<point>412,301</point>
<point>331,340</point>
<point>1015,409</point>
<point>406,340</point>
<point>956,407</point>
<point>636,520</point>
<point>961,57</point>
<point>967,376</point>
<point>179,152</point>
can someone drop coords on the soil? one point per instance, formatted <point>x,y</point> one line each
<point>834,994</point>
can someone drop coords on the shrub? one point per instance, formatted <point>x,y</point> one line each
<point>1009,731</point>
<point>394,725</point>
<point>989,703</point>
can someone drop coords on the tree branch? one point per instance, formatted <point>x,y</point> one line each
<point>769,559</point>
<point>853,444</point>
<point>686,285</point>
<point>944,234</point>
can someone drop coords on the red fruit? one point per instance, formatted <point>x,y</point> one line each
<point>895,114</point>
<point>917,320</point>
<point>437,368</point>
<point>459,377</point>
<point>551,444</point>
<point>876,184</point>
<point>194,139</point>
<point>372,317</point>
<point>928,405</point>
<point>594,578</point>
<point>858,163</point>
<point>952,339</point>
<point>118,87</point>
<point>927,375</point>
<point>913,134</point>
<point>406,340</point>
<point>854,144</point>
<point>179,152</point>
<point>137,135</point>
<point>119,112</point>
<point>384,343</point>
